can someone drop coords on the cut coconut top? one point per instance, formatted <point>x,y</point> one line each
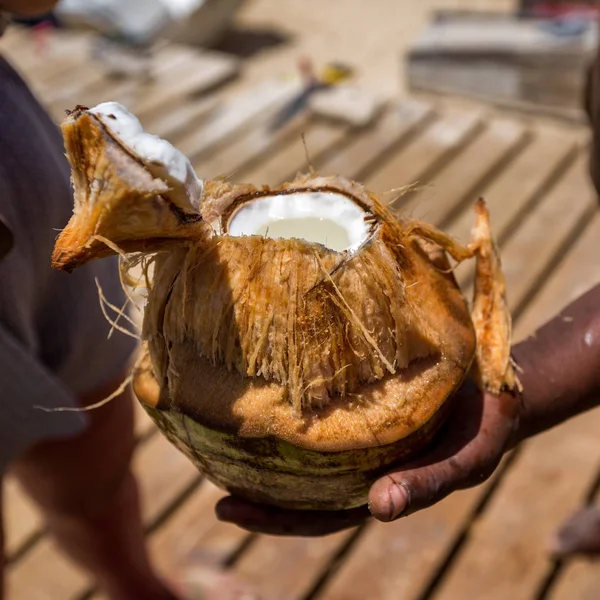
<point>327,218</point>
<point>160,157</point>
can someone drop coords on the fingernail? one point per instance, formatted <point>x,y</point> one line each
<point>398,500</point>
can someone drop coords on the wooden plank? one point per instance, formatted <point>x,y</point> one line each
<point>575,275</point>
<point>22,519</point>
<point>63,90</point>
<point>58,68</point>
<point>580,271</point>
<point>194,529</point>
<point>171,59</point>
<point>417,160</point>
<point>579,578</point>
<point>44,573</point>
<point>163,472</point>
<point>185,78</point>
<point>394,126</point>
<point>399,559</point>
<point>290,159</point>
<point>287,568</point>
<point>172,125</point>
<point>63,54</point>
<point>206,71</point>
<point>20,47</point>
<point>522,181</point>
<point>506,556</point>
<point>193,535</point>
<point>396,560</point>
<point>545,231</point>
<point>378,141</point>
<point>549,227</point>
<point>516,190</point>
<point>462,177</point>
<point>240,111</point>
<point>252,146</point>
<point>13,38</point>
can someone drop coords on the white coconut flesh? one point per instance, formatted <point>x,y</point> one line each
<point>327,218</point>
<point>161,158</point>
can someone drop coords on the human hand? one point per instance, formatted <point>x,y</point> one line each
<point>479,430</point>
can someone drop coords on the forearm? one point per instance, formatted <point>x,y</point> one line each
<point>561,367</point>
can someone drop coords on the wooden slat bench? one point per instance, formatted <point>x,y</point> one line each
<point>488,542</point>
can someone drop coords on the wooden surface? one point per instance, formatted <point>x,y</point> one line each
<point>488,542</point>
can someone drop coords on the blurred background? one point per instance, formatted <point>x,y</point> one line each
<point>528,53</point>
<point>465,98</point>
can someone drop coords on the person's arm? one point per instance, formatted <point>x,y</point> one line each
<point>560,372</point>
<point>561,367</point>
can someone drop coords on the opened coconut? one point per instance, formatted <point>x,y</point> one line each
<point>297,340</point>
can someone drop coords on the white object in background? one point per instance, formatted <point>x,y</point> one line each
<point>197,22</point>
<point>346,102</point>
<point>139,21</point>
<point>181,9</point>
<point>203,21</point>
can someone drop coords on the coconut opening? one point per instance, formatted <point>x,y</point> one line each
<point>327,218</point>
<point>161,158</point>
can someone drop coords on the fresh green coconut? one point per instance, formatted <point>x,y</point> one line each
<point>297,341</point>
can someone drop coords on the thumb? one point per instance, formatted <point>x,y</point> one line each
<point>465,456</point>
<point>403,492</point>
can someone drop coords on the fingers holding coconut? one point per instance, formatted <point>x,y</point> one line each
<point>466,453</point>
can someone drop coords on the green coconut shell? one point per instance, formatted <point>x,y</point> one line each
<point>274,471</point>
